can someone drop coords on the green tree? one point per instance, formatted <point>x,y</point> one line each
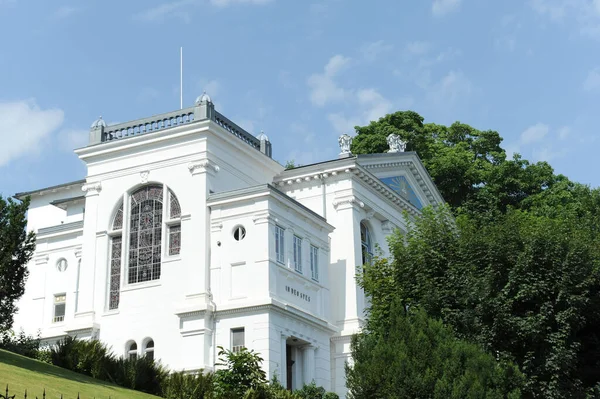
<point>415,356</point>
<point>524,285</point>
<point>468,165</point>
<point>16,249</point>
<point>243,372</point>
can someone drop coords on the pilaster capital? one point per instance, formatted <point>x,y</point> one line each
<point>388,227</point>
<point>42,259</point>
<point>261,218</point>
<point>92,189</point>
<point>347,202</point>
<point>203,166</point>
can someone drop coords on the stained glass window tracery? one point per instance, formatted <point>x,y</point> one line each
<point>145,234</point>
<point>175,208</point>
<point>118,220</point>
<point>115,272</point>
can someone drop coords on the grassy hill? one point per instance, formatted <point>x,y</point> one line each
<point>22,373</point>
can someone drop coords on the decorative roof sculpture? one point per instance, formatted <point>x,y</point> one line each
<point>345,142</point>
<point>98,123</point>
<point>396,143</point>
<point>204,98</point>
<point>262,136</point>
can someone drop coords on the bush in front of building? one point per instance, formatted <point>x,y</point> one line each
<point>21,343</point>
<point>181,385</point>
<point>241,378</point>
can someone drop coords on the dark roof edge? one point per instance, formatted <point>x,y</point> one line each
<point>26,193</point>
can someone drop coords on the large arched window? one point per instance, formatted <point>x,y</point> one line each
<point>366,242</point>
<point>142,225</point>
<point>145,234</point>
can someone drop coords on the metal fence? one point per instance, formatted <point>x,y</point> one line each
<point>7,395</point>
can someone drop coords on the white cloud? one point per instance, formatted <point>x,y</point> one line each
<point>324,89</point>
<point>64,12</point>
<point>371,51</point>
<point>450,88</point>
<point>554,9</point>
<point>71,139</point>
<point>148,94</point>
<point>582,15</point>
<point>564,132</point>
<point>165,10</point>
<point>224,3</point>
<point>374,104</point>
<point>182,8</point>
<point>592,82</point>
<point>442,7</point>
<point>534,134</point>
<point>23,124</point>
<point>418,47</point>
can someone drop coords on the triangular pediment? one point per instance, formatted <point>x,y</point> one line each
<point>405,174</point>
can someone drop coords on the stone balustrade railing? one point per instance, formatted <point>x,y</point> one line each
<point>235,130</point>
<point>100,132</point>
<point>147,125</point>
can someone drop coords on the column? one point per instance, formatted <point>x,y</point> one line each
<point>308,360</point>
<point>283,364</point>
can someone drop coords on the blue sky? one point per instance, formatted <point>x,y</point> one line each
<point>302,71</point>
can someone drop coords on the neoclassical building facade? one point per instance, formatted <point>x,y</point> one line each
<point>185,235</point>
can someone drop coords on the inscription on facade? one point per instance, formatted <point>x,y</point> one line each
<point>297,293</point>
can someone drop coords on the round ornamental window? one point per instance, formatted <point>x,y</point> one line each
<point>239,233</point>
<point>61,265</point>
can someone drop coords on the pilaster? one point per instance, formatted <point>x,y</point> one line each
<point>85,306</point>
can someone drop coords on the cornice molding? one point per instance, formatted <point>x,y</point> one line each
<point>322,176</point>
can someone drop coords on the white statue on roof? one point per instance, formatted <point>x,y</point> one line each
<point>345,142</point>
<point>396,143</point>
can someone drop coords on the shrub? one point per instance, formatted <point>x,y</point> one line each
<point>21,343</point>
<point>188,386</point>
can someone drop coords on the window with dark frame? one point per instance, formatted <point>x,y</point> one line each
<point>237,339</point>
<point>279,244</point>
<point>60,304</point>
<point>297,254</point>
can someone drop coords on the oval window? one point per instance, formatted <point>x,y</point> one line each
<point>61,265</point>
<point>239,233</point>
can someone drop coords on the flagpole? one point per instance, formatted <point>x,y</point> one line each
<point>181,77</point>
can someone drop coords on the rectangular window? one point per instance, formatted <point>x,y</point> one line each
<point>174,239</point>
<point>279,247</point>
<point>237,339</point>
<point>298,254</point>
<point>314,262</point>
<point>60,302</point>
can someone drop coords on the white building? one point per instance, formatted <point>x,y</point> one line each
<point>185,235</point>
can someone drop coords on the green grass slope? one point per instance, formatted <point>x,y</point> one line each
<point>22,373</point>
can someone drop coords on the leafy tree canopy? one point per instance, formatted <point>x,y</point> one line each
<point>415,356</point>
<point>469,166</point>
<point>525,287</point>
<point>16,249</point>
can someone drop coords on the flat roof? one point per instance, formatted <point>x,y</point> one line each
<point>26,193</point>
